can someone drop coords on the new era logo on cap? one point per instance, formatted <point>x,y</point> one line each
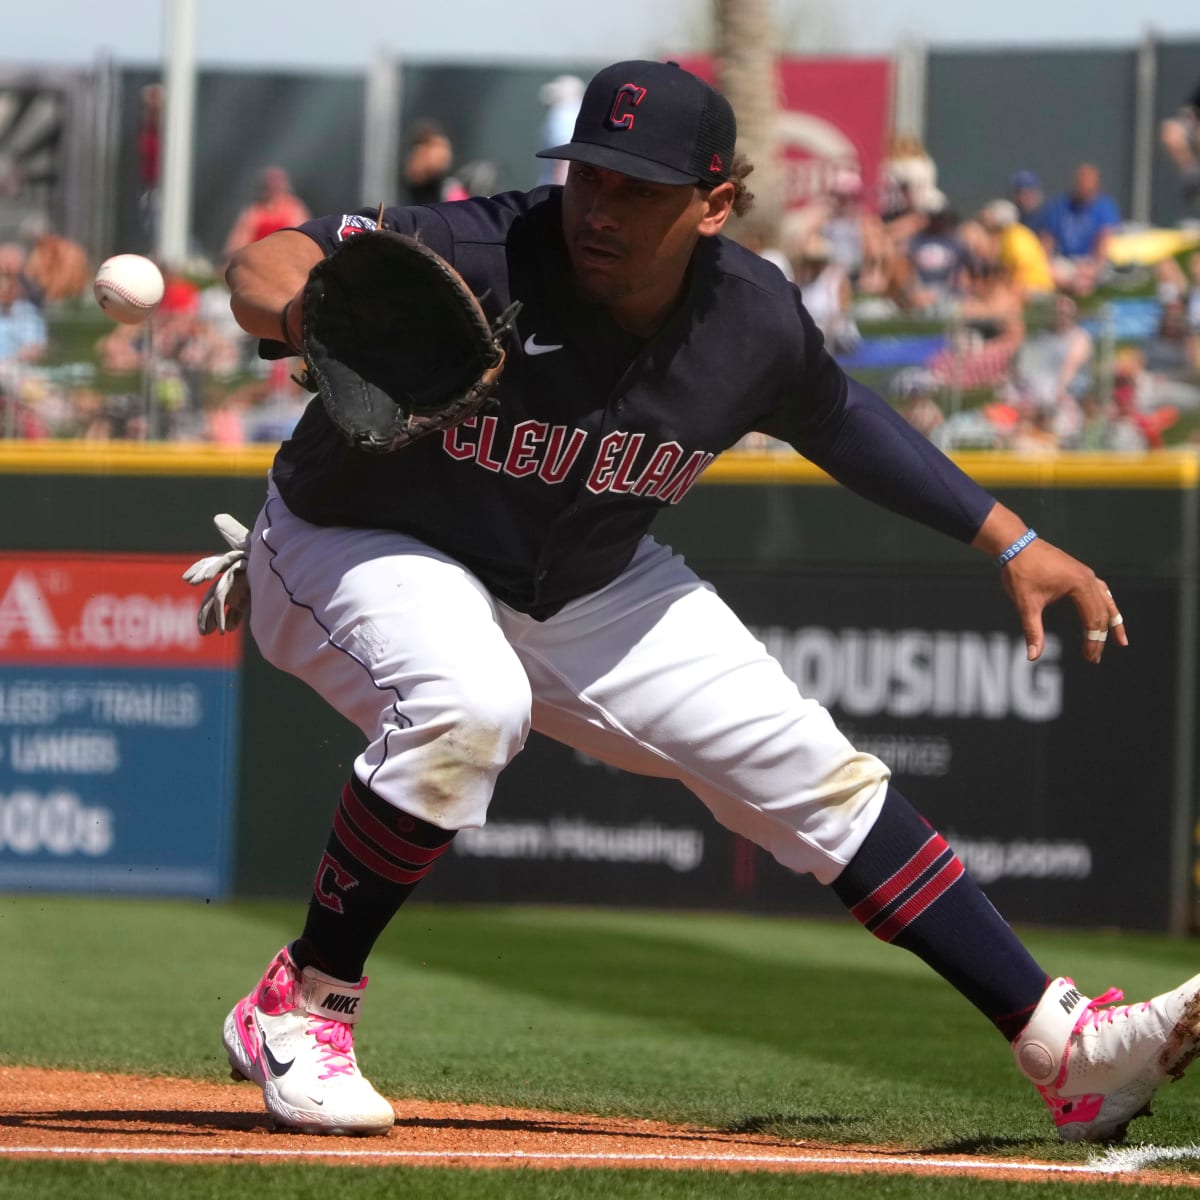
<point>653,121</point>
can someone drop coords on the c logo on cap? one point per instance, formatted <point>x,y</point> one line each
<point>629,95</point>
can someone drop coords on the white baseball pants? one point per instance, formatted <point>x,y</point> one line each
<point>653,673</point>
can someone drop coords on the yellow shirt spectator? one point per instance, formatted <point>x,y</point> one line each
<point>1022,254</point>
<point>1024,258</point>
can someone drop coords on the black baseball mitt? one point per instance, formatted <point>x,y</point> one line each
<point>395,343</point>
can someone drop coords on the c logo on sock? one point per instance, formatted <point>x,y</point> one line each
<point>340,879</point>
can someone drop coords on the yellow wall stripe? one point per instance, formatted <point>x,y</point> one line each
<point>1179,469</point>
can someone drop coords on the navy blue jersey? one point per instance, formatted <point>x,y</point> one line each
<point>594,431</point>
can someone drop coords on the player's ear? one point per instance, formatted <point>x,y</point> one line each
<point>718,206</point>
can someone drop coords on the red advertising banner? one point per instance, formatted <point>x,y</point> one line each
<point>126,610</point>
<point>834,117</point>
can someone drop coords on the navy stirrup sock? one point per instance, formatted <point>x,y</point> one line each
<point>907,886</point>
<point>376,855</point>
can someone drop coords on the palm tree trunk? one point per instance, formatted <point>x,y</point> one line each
<point>745,61</point>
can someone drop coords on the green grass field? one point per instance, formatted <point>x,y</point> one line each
<point>804,1029</point>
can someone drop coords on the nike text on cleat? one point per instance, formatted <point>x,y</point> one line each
<point>1097,1063</point>
<point>532,347</point>
<point>294,1036</point>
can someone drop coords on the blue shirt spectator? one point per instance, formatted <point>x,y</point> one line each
<point>22,327</point>
<point>1026,190</point>
<point>1078,222</point>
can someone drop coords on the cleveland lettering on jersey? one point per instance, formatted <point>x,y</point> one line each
<point>550,452</point>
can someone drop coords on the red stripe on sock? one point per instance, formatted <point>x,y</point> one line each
<point>377,831</point>
<point>912,908</point>
<point>870,906</point>
<point>368,857</point>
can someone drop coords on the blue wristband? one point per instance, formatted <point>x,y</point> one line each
<point>1030,535</point>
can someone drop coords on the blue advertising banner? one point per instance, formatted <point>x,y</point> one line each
<point>117,729</point>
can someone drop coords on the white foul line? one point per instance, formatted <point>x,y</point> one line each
<point>1134,1158</point>
<point>1113,1162</point>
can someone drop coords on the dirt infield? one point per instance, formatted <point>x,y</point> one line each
<point>45,1114</point>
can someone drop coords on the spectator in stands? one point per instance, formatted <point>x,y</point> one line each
<point>982,427</point>
<point>1180,135</point>
<point>1018,249</point>
<point>428,165</point>
<point>1025,191</point>
<point>1033,432</point>
<point>1191,300</point>
<point>223,417</point>
<point>935,262</point>
<point>901,216</point>
<point>990,326</point>
<point>149,157</point>
<point>22,326</point>
<point>1176,284</point>
<point>562,97</point>
<point>57,266</point>
<point>1172,349</point>
<point>1075,230</point>
<point>990,304</point>
<point>913,392</point>
<point>120,350</point>
<point>827,293</point>
<point>20,419</point>
<point>13,261</point>
<point>275,206</point>
<point>910,175</point>
<point>910,188</point>
<point>22,343</point>
<point>1170,378</point>
<point>856,236</point>
<point>1133,426</point>
<point>90,418</point>
<point>1053,371</point>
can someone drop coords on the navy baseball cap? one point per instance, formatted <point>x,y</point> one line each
<point>1023,179</point>
<point>653,121</point>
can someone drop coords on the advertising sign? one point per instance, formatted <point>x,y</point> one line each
<point>1054,787</point>
<point>117,723</point>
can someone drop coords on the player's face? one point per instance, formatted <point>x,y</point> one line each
<point>630,241</point>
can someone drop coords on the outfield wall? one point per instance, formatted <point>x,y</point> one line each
<point>1069,790</point>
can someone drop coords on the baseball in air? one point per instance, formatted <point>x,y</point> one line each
<point>128,287</point>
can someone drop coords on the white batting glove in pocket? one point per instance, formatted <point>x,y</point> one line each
<point>227,600</point>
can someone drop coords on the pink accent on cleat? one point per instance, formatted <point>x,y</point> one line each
<point>1097,1064</point>
<point>294,1036</point>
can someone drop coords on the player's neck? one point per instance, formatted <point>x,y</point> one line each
<point>644,312</point>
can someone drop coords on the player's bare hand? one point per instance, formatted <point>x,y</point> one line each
<point>1042,574</point>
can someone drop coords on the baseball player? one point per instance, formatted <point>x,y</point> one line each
<point>499,576</point>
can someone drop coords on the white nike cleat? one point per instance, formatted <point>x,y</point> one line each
<point>294,1036</point>
<point>1098,1067</point>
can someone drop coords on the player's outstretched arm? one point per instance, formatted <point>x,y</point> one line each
<point>866,445</point>
<point>1038,574</point>
<point>265,277</point>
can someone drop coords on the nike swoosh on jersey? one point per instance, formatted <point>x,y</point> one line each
<point>532,347</point>
<point>276,1067</point>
